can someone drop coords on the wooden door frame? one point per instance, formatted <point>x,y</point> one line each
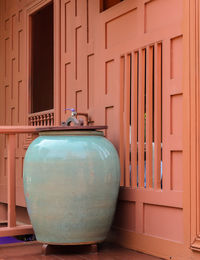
<point>35,6</point>
<point>191,124</point>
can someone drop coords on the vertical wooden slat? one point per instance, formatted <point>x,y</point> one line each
<point>11,180</point>
<point>134,122</point>
<point>127,120</point>
<point>167,113</point>
<point>122,76</point>
<point>141,118</point>
<point>149,119</point>
<point>157,116</point>
<point>198,94</point>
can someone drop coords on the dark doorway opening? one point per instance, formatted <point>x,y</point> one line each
<point>105,4</point>
<point>42,59</point>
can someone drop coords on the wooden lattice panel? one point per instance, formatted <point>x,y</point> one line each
<point>138,61</point>
<point>77,56</point>
<point>13,86</point>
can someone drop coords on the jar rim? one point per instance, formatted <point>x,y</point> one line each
<point>71,133</point>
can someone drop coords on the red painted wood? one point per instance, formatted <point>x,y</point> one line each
<point>18,129</point>
<point>149,119</point>
<point>127,119</point>
<point>134,121</point>
<point>11,181</point>
<point>141,96</point>
<point>16,231</point>
<point>121,150</point>
<point>157,116</point>
<point>91,74</point>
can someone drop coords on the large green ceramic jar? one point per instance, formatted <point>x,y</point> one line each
<point>71,183</point>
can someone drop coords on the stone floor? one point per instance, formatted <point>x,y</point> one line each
<point>34,251</point>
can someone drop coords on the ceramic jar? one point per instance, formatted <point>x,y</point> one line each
<point>71,184</point>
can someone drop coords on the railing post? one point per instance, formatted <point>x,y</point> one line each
<point>11,139</point>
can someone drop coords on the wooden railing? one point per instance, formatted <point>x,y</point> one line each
<point>44,118</point>
<point>12,228</point>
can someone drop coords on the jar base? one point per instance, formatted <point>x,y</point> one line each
<point>71,244</point>
<point>48,249</point>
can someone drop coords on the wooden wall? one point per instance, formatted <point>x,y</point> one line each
<point>109,64</point>
<point>13,87</point>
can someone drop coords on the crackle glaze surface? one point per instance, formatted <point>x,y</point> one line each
<point>71,185</point>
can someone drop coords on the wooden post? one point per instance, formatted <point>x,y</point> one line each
<point>11,180</point>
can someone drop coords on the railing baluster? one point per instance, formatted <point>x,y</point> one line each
<point>11,180</point>
<point>41,120</point>
<point>47,119</point>
<point>38,120</point>
<point>52,119</point>
<point>31,121</point>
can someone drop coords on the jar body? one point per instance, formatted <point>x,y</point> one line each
<point>71,185</point>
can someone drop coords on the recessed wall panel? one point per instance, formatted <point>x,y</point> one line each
<point>162,13</point>
<point>109,76</point>
<point>176,63</point>
<point>118,29</point>
<point>78,51</point>
<point>68,90</point>
<point>67,25</point>
<point>163,222</point>
<point>177,170</point>
<point>177,115</point>
<point>110,122</point>
<point>90,81</point>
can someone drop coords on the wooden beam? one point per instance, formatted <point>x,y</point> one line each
<point>16,231</point>
<point>18,129</point>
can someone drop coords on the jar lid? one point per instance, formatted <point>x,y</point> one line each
<point>70,128</point>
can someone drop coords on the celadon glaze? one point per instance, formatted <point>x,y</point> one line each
<point>71,184</point>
